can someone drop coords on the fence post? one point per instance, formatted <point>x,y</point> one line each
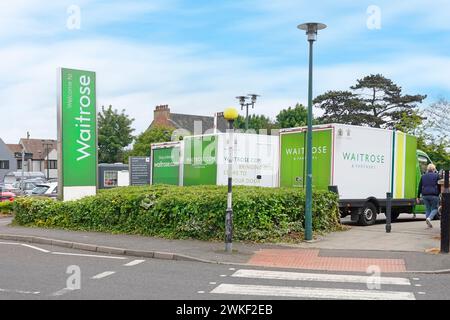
<point>388,211</point>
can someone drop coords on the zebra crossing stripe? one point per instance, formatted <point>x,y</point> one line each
<point>312,293</point>
<point>322,277</point>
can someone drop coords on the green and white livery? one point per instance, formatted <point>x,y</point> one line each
<point>362,164</point>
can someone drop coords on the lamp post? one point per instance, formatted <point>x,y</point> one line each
<point>230,114</point>
<point>242,102</point>
<point>311,29</point>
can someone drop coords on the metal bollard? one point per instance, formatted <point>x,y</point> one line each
<point>445,216</point>
<point>388,211</point>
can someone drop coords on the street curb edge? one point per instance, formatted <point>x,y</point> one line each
<point>105,249</point>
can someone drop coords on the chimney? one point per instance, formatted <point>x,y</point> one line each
<point>161,113</point>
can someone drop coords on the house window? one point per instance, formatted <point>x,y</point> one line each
<point>110,179</point>
<point>52,164</point>
<point>4,164</point>
<point>19,164</point>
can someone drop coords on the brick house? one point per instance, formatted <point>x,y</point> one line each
<point>192,123</point>
<point>43,156</point>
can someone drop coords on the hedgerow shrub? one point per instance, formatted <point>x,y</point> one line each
<point>260,214</point>
<point>6,207</point>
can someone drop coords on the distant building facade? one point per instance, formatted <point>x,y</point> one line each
<point>41,156</point>
<point>7,160</point>
<point>194,124</point>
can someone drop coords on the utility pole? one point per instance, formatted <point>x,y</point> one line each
<point>46,145</point>
<point>23,165</point>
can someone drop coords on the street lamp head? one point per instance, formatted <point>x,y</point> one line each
<point>253,96</point>
<point>230,114</point>
<point>241,99</point>
<point>311,29</point>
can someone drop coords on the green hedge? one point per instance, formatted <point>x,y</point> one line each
<point>185,212</point>
<point>6,207</point>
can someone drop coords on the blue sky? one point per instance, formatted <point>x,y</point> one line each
<point>198,55</point>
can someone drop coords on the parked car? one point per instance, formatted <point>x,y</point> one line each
<point>24,187</point>
<point>46,190</point>
<point>7,196</point>
<point>13,177</point>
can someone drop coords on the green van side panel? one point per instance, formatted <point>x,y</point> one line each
<point>203,170</point>
<point>411,183</point>
<point>166,170</point>
<point>293,152</point>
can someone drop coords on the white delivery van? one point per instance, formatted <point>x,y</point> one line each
<point>361,164</point>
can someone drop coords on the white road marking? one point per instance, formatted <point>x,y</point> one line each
<point>61,292</point>
<point>201,292</point>
<point>133,263</point>
<point>223,275</point>
<point>417,285</point>
<point>232,269</point>
<point>20,291</point>
<point>103,274</point>
<point>88,255</point>
<point>35,248</point>
<point>213,283</point>
<point>25,245</point>
<point>312,293</point>
<point>421,292</point>
<point>280,275</point>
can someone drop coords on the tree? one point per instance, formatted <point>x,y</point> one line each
<point>433,137</point>
<point>114,134</point>
<point>255,122</point>
<point>141,147</point>
<point>384,103</point>
<point>438,118</point>
<point>292,117</point>
<point>436,148</point>
<point>342,107</point>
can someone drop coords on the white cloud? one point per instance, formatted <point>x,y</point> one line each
<point>137,77</point>
<point>24,19</point>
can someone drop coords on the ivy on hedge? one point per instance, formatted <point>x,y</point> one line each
<point>260,214</point>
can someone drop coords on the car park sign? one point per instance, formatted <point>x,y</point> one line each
<point>77,133</point>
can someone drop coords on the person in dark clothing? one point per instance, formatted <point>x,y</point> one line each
<point>430,190</point>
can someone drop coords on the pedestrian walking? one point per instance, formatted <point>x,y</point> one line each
<point>430,190</point>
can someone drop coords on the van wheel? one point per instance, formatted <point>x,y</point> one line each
<point>367,215</point>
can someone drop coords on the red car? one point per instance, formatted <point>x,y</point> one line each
<point>7,196</point>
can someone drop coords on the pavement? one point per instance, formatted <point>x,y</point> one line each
<point>410,247</point>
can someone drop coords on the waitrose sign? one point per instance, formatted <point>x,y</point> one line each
<point>77,133</point>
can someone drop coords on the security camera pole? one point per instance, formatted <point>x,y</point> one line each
<point>311,31</point>
<point>230,114</point>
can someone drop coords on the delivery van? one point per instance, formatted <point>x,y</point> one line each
<point>203,160</point>
<point>361,164</point>
<point>165,163</point>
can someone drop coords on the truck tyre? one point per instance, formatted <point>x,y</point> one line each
<point>367,214</point>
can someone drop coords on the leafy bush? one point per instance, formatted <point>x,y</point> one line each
<point>185,212</point>
<point>6,207</point>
